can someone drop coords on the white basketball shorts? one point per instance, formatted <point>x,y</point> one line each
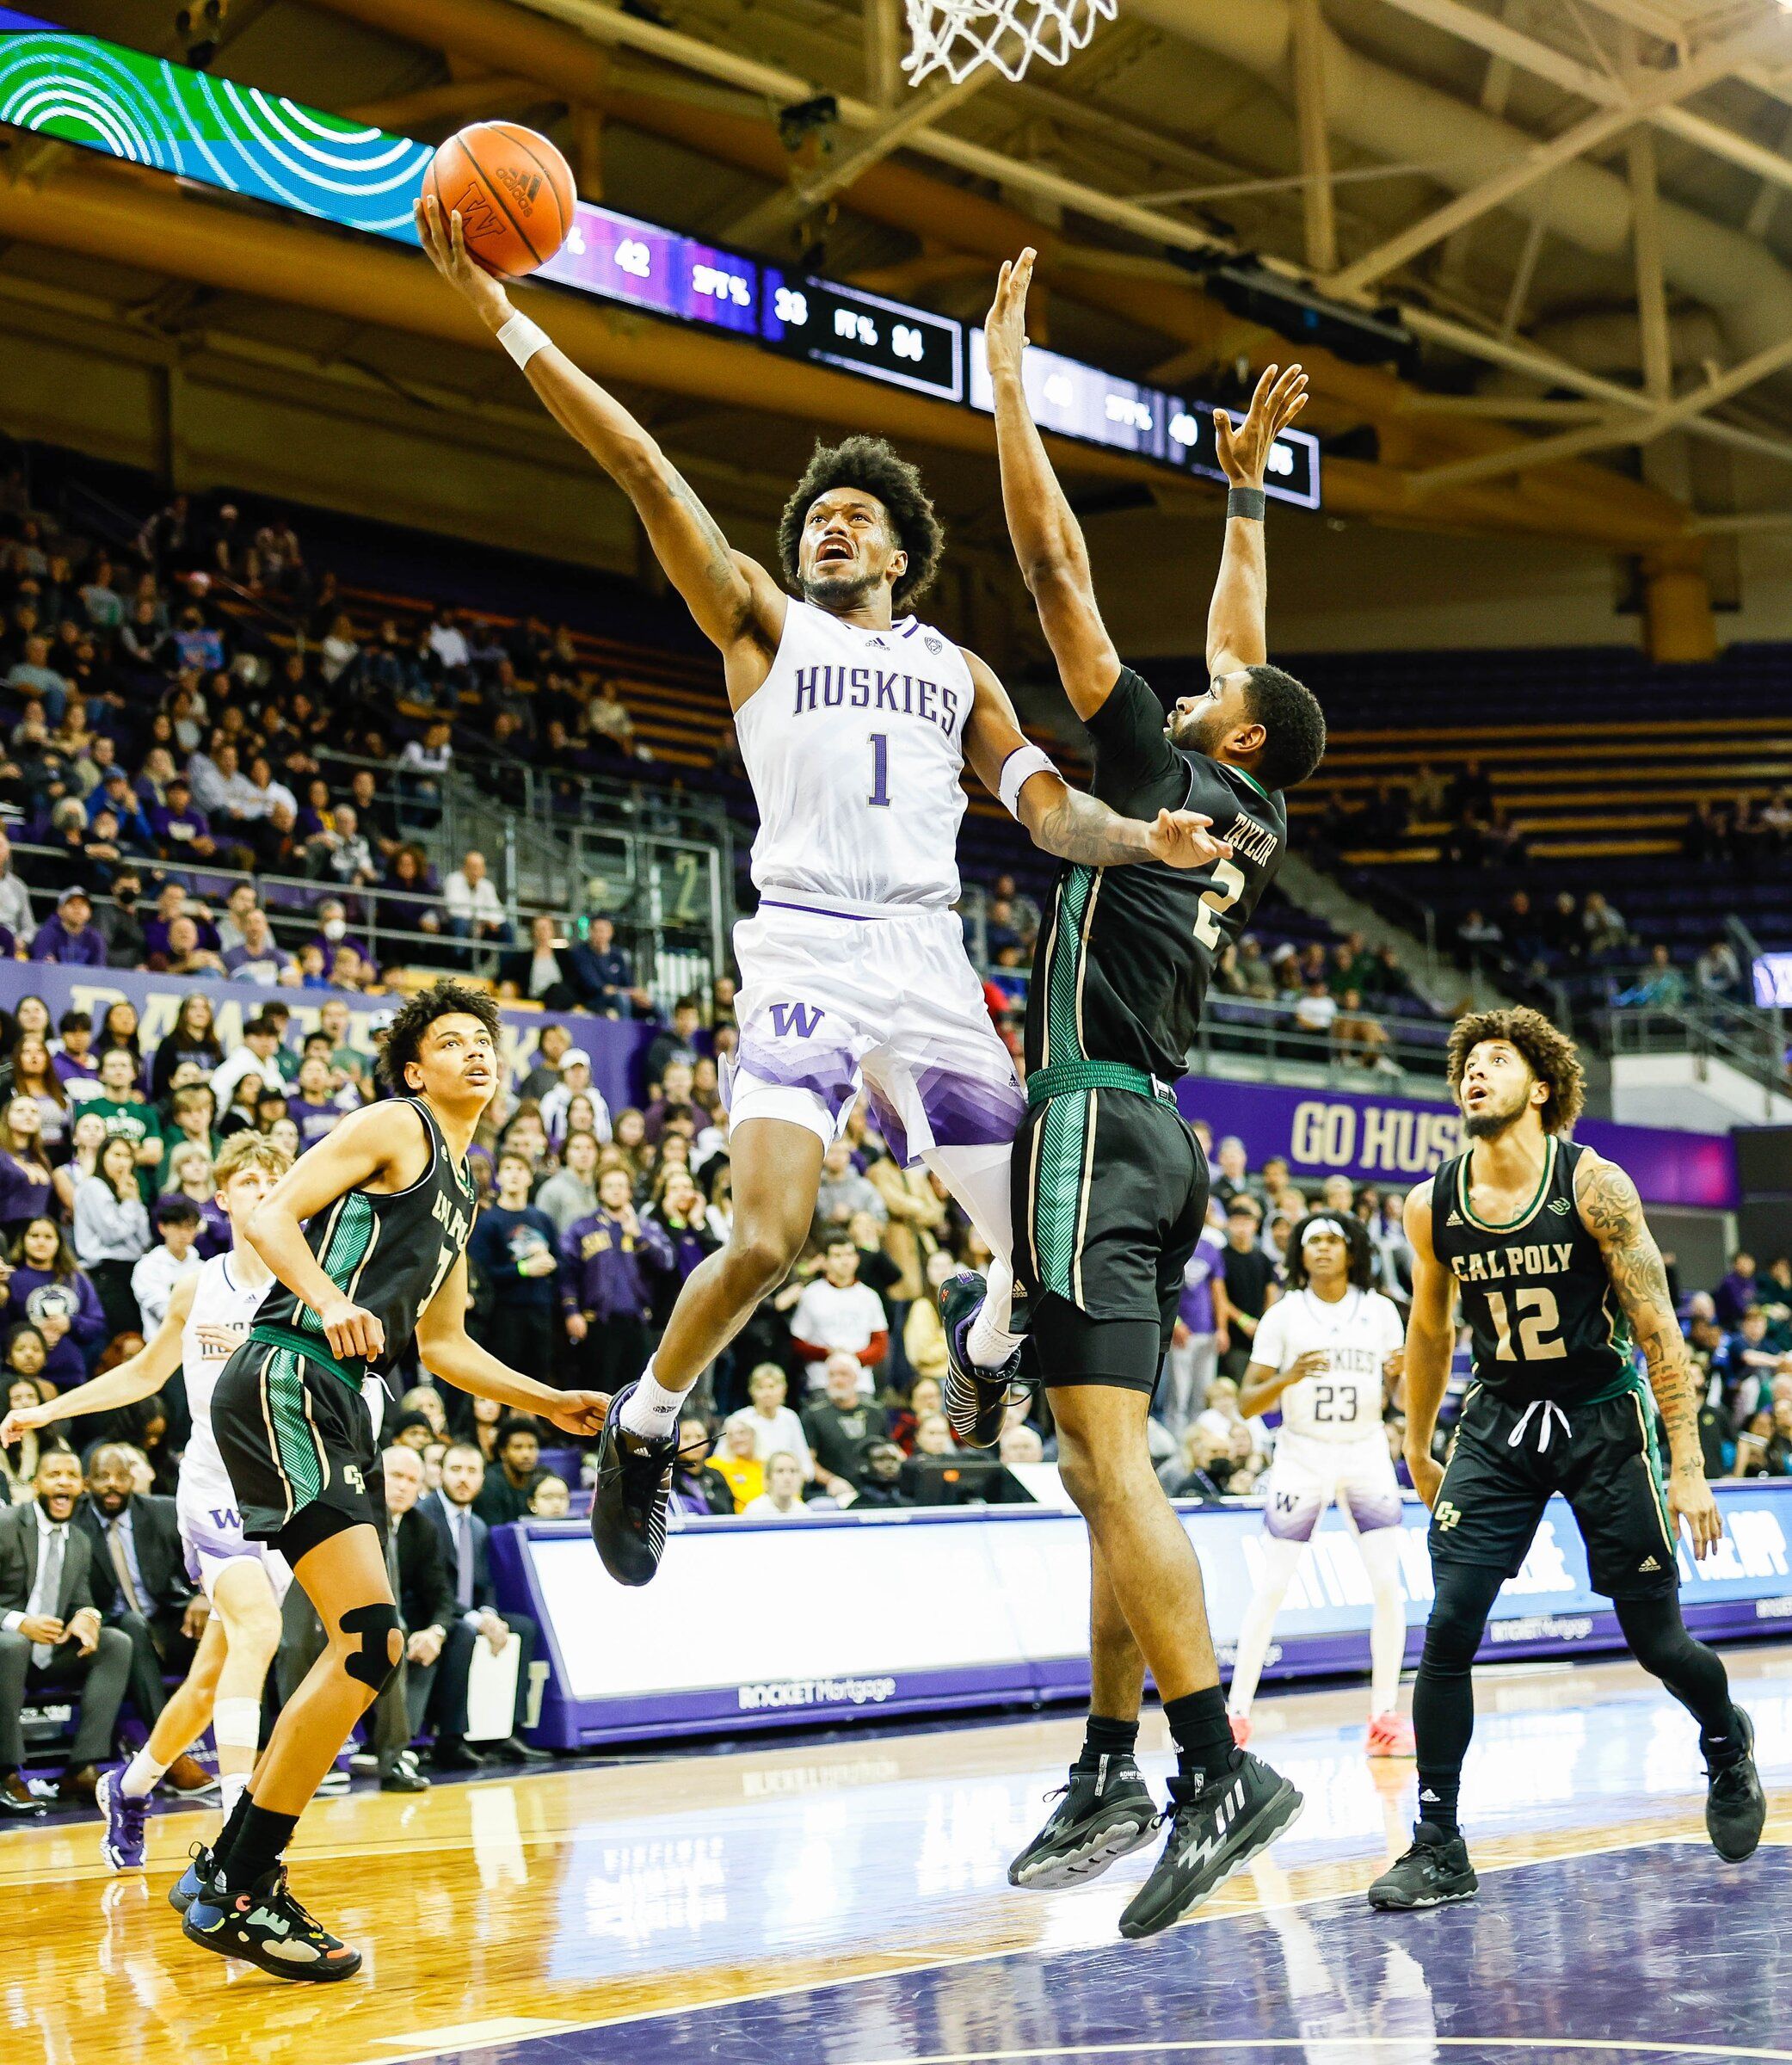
<point>1306,1475</point>
<point>830,1003</point>
<point>212,1530</point>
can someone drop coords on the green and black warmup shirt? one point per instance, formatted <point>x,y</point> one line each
<point>1126,953</point>
<point>389,1251</point>
<point>1543,1320</point>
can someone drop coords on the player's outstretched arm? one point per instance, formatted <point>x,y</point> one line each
<point>1431,1343</point>
<point>737,603</point>
<point>141,1376</point>
<point>1064,821</point>
<point>1238,614</point>
<point>1611,1212</point>
<point>447,1350</point>
<point>1048,540</point>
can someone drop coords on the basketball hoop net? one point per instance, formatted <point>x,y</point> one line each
<point>955,36</point>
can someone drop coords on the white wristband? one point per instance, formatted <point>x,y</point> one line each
<point>522,339</point>
<point>1017,770</point>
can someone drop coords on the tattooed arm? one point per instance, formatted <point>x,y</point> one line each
<point>1612,1213</point>
<point>737,605</point>
<point>1067,821</point>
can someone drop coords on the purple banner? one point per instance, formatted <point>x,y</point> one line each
<point>1399,1141</point>
<point>615,1047</point>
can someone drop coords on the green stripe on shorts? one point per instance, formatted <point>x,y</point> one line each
<point>1057,1198</point>
<point>1067,951</point>
<point>295,1440</point>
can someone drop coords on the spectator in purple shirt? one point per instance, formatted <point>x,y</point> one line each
<point>48,1287</point>
<point>612,1261</point>
<point>25,1191</point>
<point>178,828</point>
<point>1200,1335</point>
<point>260,958</point>
<point>1736,1293</point>
<point>68,937</point>
<point>73,1060</point>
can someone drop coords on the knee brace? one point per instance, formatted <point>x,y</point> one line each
<point>1463,1598</point>
<point>372,1660</point>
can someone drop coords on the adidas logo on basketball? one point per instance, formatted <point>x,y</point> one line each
<point>522,186</point>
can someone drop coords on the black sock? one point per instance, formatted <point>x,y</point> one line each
<point>231,1829</point>
<point>1203,1733</point>
<point>257,1847</point>
<point>1444,1694</point>
<point>1105,1738</point>
<point>1437,1793</point>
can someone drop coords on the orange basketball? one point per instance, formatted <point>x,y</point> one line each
<point>514,192</point>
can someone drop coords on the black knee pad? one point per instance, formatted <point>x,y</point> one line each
<point>373,1661</point>
<point>1463,1598</point>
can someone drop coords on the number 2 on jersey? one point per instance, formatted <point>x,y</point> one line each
<point>1229,885</point>
<point>1539,1317</point>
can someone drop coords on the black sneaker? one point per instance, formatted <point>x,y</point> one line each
<point>1215,1829</point>
<point>1104,1813</point>
<point>976,1400</point>
<point>1735,1806</point>
<point>201,1865</point>
<point>1434,1873</point>
<point>264,1926</point>
<point>628,1507</point>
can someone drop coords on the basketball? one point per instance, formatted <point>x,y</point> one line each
<point>514,192</point>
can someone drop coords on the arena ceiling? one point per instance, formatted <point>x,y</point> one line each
<point>1581,208</point>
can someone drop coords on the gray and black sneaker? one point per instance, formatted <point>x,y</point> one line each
<point>1434,1873</point>
<point>1735,1806</point>
<point>264,1926</point>
<point>628,1507</point>
<point>1102,1814</point>
<point>976,1399</point>
<point>1216,1828</point>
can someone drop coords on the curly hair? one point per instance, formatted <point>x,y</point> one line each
<point>1549,1054</point>
<point>403,1043</point>
<point>1296,726</point>
<point>1356,1240</point>
<point>874,467</point>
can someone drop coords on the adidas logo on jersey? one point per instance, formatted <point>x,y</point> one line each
<point>1455,1219</point>
<point>882,644</point>
<point>1647,1564</point>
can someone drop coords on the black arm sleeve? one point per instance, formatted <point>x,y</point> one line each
<point>1136,769</point>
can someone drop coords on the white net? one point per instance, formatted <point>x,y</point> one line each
<point>955,36</point>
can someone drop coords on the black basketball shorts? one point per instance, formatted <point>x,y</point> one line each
<point>1110,1195</point>
<point>1604,1463</point>
<point>298,1441</point>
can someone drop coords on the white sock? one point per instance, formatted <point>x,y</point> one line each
<point>142,1775</point>
<point>651,1412</point>
<point>988,1341</point>
<point>233,1784</point>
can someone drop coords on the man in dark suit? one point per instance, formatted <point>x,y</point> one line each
<point>426,1605</point>
<point>140,1584</point>
<point>464,1540</point>
<point>51,1636</point>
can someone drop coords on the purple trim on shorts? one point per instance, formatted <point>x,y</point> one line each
<point>965,1112</point>
<point>1373,1510</point>
<point>1292,1518</point>
<point>830,1075</point>
<point>815,910</point>
<point>888,1121</point>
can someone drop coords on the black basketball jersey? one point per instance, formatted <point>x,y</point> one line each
<point>1543,1319</point>
<point>388,1251</point>
<point>1126,954</point>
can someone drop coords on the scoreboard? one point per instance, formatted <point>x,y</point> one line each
<point>214,133</point>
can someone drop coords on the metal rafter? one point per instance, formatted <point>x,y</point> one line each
<point>1656,90</point>
<point>1319,214</point>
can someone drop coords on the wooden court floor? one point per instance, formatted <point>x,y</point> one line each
<point>846,1901</point>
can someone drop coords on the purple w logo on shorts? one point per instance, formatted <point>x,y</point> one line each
<point>800,1019</point>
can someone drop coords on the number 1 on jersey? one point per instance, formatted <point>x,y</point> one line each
<point>879,797</point>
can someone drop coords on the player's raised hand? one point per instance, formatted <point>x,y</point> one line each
<point>1184,839</point>
<point>579,1412</point>
<point>20,1419</point>
<point>1243,451</point>
<point>1691,1501</point>
<point>352,1331</point>
<point>446,246</point>
<point>1004,326</point>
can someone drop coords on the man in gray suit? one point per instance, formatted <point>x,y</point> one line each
<point>51,1639</point>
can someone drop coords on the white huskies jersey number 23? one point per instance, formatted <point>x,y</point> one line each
<point>855,746</point>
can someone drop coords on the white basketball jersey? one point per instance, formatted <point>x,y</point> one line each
<point>222,1312</point>
<point>1359,1332</point>
<point>854,747</point>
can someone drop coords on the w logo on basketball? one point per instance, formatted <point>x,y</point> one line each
<point>800,1019</point>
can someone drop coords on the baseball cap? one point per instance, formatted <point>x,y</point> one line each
<point>572,1055</point>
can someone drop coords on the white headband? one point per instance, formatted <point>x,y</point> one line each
<point>1319,1226</point>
